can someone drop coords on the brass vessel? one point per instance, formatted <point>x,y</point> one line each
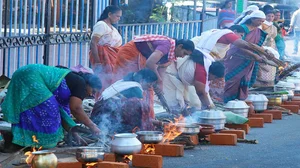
<point>44,159</point>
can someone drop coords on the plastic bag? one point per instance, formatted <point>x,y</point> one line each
<point>232,118</point>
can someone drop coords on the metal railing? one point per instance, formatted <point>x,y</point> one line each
<point>178,30</point>
<point>58,32</point>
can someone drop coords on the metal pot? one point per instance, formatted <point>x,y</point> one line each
<point>150,137</point>
<point>259,101</point>
<point>189,129</point>
<point>90,154</point>
<point>213,117</point>
<point>274,100</point>
<point>44,159</point>
<point>126,144</point>
<point>284,97</point>
<point>290,94</point>
<point>238,107</point>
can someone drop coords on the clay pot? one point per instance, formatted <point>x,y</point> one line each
<point>251,108</point>
<point>206,129</point>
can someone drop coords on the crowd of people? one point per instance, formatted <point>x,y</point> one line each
<point>219,65</point>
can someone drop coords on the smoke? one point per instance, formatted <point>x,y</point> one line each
<point>193,118</point>
<point>108,118</point>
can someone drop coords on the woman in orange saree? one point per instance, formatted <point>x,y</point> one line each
<point>105,43</point>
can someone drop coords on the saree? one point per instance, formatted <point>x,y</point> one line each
<point>109,42</point>
<point>226,18</point>
<point>240,71</point>
<point>266,73</point>
<point>37,103</point>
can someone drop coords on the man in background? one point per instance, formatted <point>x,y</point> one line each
<point>295,26</point>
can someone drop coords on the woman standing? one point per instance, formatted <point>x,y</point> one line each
<point>266,73</point>
<point>105,42</point>
<point>226,15</point>
<point>40,101</point>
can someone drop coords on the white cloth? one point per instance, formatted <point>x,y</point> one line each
<point>205,43</point>
<point>117,87</point>
<point>173,87</point>
<point>108,35</point>
<point>255,14</point>
<point>273,51</point>
<point>186,70</point>
<point>249,8</point>
<point>176,92</point>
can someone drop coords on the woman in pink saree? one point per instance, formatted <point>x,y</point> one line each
<point>240,67</point>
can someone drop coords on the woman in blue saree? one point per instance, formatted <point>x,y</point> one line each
<point>40,101</point>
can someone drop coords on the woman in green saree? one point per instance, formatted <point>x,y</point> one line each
<point>40,101</point>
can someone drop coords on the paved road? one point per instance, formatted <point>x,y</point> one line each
<point>279,146</point>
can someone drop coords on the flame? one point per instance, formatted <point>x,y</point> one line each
<point>127,158</point>
<point>281,68</point>
<point>34,139</point>
<point>171,131</point>
<point>89,165</point>
<point>149,149</point>
<point>29,153</point>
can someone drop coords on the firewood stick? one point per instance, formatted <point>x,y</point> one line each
<point>248,141</point>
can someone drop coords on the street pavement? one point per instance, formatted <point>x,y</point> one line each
<point>278,147</point>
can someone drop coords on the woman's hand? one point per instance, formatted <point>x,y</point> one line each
<point>95,129</point>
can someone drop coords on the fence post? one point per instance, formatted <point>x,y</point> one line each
<point>5,32</point>
<point>47,32</point>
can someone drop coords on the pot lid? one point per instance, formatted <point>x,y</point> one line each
<point>257,98</point>
<point>296,74</point>
<point>293,80</point>
<point>285,84</point>
<point>236,104</point>
<point>125,135</point>
<point>211,114</point>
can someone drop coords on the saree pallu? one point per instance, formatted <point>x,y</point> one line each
<point>36,104</point>
<point>240,71</point>
<point>105,69</point>
<point>129,60</point>
<point>122,115</point>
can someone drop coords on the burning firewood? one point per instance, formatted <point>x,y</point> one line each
<point>284,72</point>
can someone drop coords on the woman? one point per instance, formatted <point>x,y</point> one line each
<point>280,44</point>
<point>226,15</point>
<point>186,72</point>
<point>155,52</point>
<point>123,105</point>
<point>40,101</point>
<point>266,73</point>
<point>241,66</point>
<point>105,42</point>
